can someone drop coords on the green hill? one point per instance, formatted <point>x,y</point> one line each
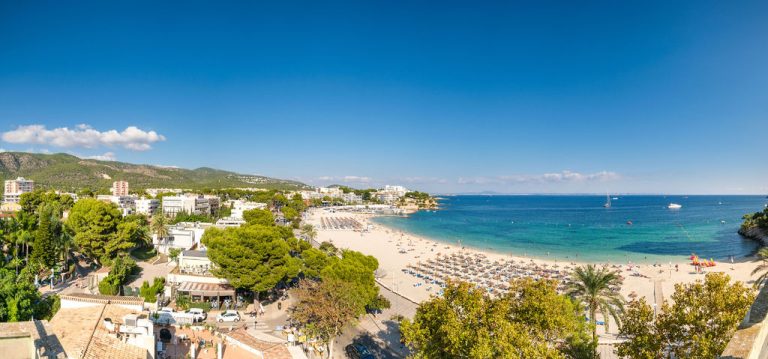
<point>67,172</point>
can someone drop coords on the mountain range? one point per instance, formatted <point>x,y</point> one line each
<point>67,172</point>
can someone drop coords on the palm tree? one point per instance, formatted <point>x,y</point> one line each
<point>65,243</point>
<point>763,267</point>
<point>158,226</point>
<point>598,290</point>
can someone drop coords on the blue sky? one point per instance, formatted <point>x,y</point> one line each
<point>662,97</point>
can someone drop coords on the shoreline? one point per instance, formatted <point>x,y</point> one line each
<point>396,250</point>
<point>649,259</point>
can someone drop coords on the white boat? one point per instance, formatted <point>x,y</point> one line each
<point>674,206</point>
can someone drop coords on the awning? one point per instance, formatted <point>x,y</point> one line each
<point>207,289</point>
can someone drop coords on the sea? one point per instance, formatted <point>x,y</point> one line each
<point>636,228</point>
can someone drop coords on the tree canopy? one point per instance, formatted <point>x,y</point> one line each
<point>325,308</point>
<point>698,324</point>
<point>48,230</point>
<point>20,300</point>
<point>466,323</point>
<point>356,269</point>
<point>259,216</point>
<point>254,257</point>
<point>94,224</point>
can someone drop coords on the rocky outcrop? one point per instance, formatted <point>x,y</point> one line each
<point>755,233</point>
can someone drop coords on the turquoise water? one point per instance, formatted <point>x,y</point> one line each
<point>580,228</point>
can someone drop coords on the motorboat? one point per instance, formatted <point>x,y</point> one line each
<point>674,206</point>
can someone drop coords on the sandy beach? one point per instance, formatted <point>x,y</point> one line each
<point>396,250</point>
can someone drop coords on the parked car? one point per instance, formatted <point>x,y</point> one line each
<point>228,316</point>
<point>198,314</point>
<point>358,351</point>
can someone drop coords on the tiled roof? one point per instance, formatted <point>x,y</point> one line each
<point>83,334</point>
<point>103,299</point>
<point>270,350</point>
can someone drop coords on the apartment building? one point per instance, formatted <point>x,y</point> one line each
<point>15,188</point>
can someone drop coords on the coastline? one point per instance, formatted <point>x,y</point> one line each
<point>396,250</point>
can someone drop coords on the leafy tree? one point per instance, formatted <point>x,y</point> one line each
<point>20,300</point>
<point>173,253</point>
<point>122,267</point>
<point>149,292</point>
<point>191,217</point>
<point>756,220</point>
<point>325,308</point>
<point>131,232</point>
<point>315,261</point>
<point>646,336</point>
<point>30,202</point>
<point>699,323</point>
<point>598,290</point>
<point>466,323</point>
<point>290,214</point>
<point>99,231</point>
<point>259,216</point>
<point>549,317</point>
<point>252,257</point>
<point>356,269</point>
<point>378,303</point>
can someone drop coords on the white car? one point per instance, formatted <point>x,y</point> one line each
<point>198,314</point>
<point>228,316</point>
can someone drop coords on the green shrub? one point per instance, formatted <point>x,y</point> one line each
<point>378,303</point>
<point>109,287</point>
<point>149,293</point>
<point>182,302</point>
<point>205,306</point>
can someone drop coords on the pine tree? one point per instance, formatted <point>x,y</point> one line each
<point>44,247</point>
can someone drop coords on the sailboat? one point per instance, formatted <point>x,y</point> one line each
<point>607,201</point>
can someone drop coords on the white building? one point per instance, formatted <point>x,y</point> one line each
<point>238,207</point>
<point>183,235</point>
<point>15,188</point>
<point>397,190</point>
<point>119,188</point>
<point>352,198</point>
<point>190,204</point>
<point>387,197</point>
<point>126,203</point>
<point>333,192</point>
<point>310,195</point>
<point>147,206</point>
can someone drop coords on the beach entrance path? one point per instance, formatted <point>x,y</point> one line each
<point>658,295</point>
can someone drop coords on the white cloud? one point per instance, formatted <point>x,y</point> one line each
<point>107,156</point>
<point>132,138</point>
<point>554,177</point>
